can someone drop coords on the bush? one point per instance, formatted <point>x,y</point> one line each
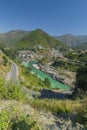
<point>12,119</point>
<point>82,115</point>
<point>81,78</point>
<point>47,82</point>
<point>5,60</point>
<point>4,120</point>
<point>3,89</point>
<point>11,91</point>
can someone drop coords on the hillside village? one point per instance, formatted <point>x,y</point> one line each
<point>28,55</point>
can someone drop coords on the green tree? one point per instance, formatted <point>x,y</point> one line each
<point>3,89</point>
<point>47,82</point>
<point>5,60</point>
<point>81,82</point>
<point>82,78</point>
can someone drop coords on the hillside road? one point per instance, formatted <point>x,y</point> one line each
<point>13,74</point>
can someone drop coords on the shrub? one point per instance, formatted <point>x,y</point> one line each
<point>47,82</point>
<point>12,119</point>
<point>4,120</point>
<point>82,115</point>
<point>11,91</point>
<point>5,60</point>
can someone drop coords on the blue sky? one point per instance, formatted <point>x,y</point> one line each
<point>57,17</point>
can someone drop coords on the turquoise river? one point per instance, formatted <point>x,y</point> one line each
<point>54,84</point>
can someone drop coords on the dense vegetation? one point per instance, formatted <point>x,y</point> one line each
<point>63,64</point>
<point>71,61</point>
<point>5,60</point>
<point>12,118</point>
<point>11,91</point>
<point>82,78</point>
<point>11,53</point>
<point>81,82</point>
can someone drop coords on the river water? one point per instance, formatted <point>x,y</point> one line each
<point>54,84</point>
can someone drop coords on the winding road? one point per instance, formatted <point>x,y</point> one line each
<point>13,74</point>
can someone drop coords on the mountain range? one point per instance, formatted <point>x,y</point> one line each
<point>38,37</point>
<point>26,39</point>
<point>11,37</point>
<point>20,38</point>
<point>72,40</point>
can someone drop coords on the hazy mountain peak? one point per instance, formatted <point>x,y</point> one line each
<point>68,39</point>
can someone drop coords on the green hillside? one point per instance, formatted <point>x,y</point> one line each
<point>12,37</point>
<point>37,37</point>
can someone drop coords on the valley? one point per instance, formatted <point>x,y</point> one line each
<point>44,78</point>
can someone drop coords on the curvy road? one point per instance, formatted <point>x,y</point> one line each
<point>13,74</point>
